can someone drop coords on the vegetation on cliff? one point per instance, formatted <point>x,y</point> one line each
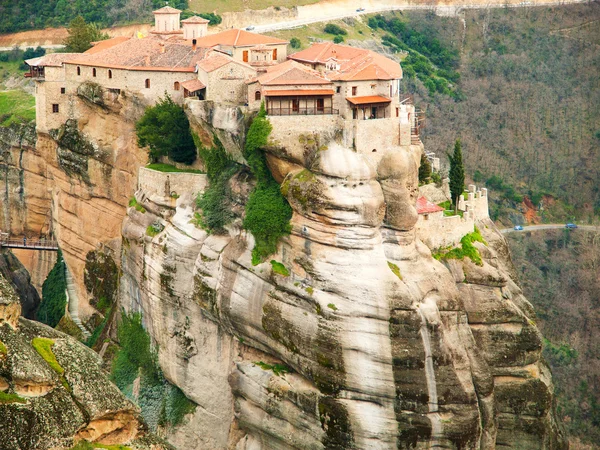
<point>457,174</point>
<point>54,297</point>
<point>162,404</point>
<point>558,271</point>
<point>165,130</point>
<point>268,213</point>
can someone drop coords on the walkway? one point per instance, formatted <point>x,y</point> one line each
<point>28,244</point>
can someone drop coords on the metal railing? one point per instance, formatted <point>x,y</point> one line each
<point>28,244</point>
<point>301,111</point>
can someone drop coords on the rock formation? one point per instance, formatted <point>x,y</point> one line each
<point>12,269</point>
<point>52,389</point>
<point>363,341</point>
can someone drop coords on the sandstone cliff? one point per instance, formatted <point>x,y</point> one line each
<point>362,340</point>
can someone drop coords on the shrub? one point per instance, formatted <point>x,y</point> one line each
<point>279,268</point>
<point>332,28</point>
<point>213,19</point>
<point>295,42</point>
<point>466,250</point>
<point>268,213</point>
<point>165,129</point>
<point>54,298</point>
<point>424,169</point>
<point>154,229</point>
<point>338,39</point>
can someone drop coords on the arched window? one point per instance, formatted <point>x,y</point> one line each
<point>257,95</point>
<point>78,70</point>
<point>109,74</point>
<point>94,72</point>
<point>176,86</point>
<point>147,83</point>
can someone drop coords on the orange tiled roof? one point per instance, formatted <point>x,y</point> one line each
<point>368,99</point>
<point>355,64</point>
<point>298,92</point>
<point>195,19</point>
<point>237,38</point>
<point>166,10</point>
<point>193,85</point>
<point>424,206</point>
<point>144,54</point>
<point>108,43</point>
<point>215,59</point>
<point>291,73</point>
<point>51,59</point>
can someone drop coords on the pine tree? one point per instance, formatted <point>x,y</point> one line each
<point>457,174</point>
<point>82,34</point>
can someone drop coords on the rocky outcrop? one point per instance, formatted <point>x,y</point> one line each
<point>52,389</point>
<point>12,269</point>
<point>363,341</point>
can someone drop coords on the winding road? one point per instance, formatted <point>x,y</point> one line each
<point>550,226</point>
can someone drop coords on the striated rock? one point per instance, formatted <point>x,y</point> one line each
<point>385,346</point>
<point>12,269</point>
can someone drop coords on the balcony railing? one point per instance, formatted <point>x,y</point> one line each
<point>301,111</point>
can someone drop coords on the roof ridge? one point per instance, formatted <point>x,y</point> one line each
<point>237,37</point>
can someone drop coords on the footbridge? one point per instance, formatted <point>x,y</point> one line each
<point>6,241</point>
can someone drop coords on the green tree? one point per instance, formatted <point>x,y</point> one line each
<point>332,28</point>
<point>424,169</point>
<point>295,43</point>
<point>165,129</point>
<point>82,34</point>
<point>457,173</point>
<point>338,39</point>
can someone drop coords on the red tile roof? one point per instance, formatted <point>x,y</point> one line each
<point>195,19</point>
<point>108,43</point>
<point>298,92</point>
<point>213,60</point>
<point>424,206</point>
<point>355,64</point>
<point>144,54</point>
<point>368,99</point>
<point>237,38</point>
<point>51,59</point>
<point>291,73</point>
<point>166,10</point>
<point>193,85</point>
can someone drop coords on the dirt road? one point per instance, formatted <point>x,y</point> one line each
<point>553,226</point>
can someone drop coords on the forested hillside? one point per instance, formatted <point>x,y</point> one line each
<point>526,104</point>
<point>17,15</point>
<point>558,271</point>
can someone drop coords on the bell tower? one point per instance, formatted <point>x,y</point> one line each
<point>166,21</point>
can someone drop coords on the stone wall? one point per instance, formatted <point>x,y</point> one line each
<point>437,231</point>
<point>227,84</point>
<point>476,203</point>
<point>170,184</point>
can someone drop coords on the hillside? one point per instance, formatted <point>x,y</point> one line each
<point>528,112</point>
<point>558,271</point>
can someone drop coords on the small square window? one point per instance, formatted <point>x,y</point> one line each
<point>63,90</point>
<point>54,107</point>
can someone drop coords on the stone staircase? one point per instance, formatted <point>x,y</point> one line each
<point>73,302</point>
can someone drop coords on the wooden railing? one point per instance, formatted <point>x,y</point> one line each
<point>301,111</point>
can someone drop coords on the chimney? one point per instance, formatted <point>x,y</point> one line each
<point>194,42</point>
<point>162,47</point>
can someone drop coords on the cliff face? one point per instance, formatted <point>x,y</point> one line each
<point>364,339</point>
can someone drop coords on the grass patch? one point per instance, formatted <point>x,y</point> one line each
<point>466,250</point>
<point>44,347</point>
<point>279,268</point>
<point>278,369</point>
<point>332,306</point>
<point>10,398</point>
<point>135,204</point>
<point>16,107</point>
<point>3,350</point>
<point>394,268</point>
<point>85,445</point>
<point>161,167</point>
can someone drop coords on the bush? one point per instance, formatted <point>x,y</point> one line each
<point>165,129</point>
<point>295,42</point>
<point>338,39</point>
<point>213,19</point>
<point>268,213</point>
<point>424,169</point>
<point>332,28</point>
<point>54,298</point>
